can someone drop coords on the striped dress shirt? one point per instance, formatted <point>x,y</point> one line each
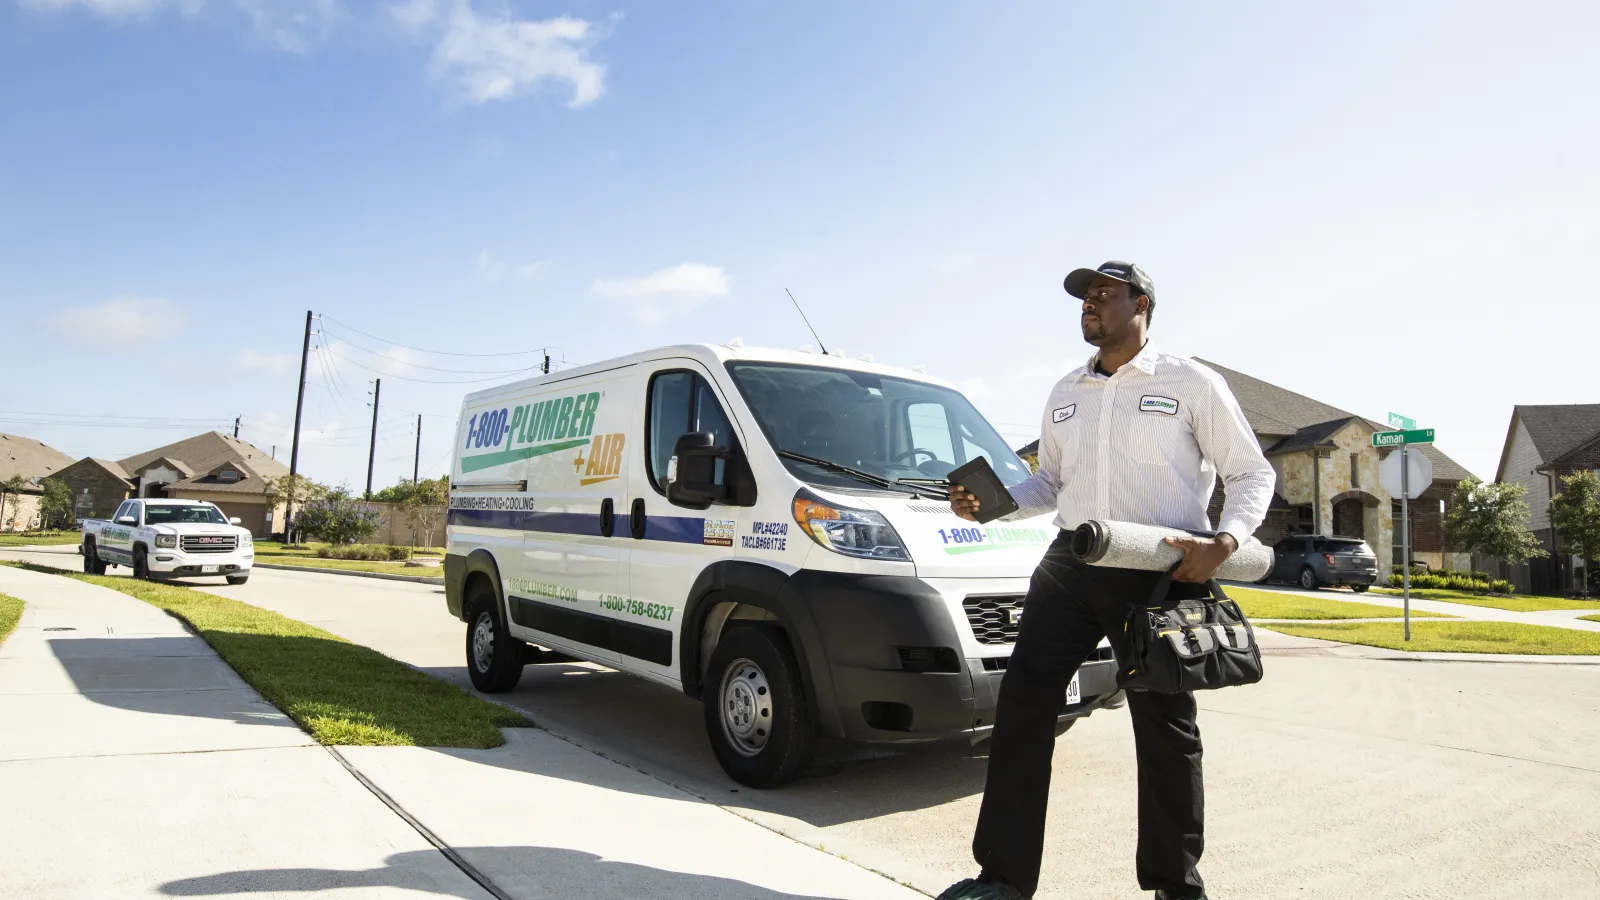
<point>1146,445</point>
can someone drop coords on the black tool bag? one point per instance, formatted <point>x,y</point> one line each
<point>1189,645</point>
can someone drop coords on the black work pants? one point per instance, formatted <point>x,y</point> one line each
<point>1069,608</point>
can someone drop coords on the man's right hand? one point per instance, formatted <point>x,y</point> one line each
<point>963,504</point>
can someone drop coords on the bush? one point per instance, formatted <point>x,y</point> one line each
<point>1482,576</point>
<point>1501,586</point>
<point>337,518</point>
<point>364,551</point>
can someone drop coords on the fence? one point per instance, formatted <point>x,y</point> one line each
<point>394,528</point>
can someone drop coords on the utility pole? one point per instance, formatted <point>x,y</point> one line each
<point>235,427</point>
<point>294,451</point>
<point>372,448</point>
<point>416,461</point>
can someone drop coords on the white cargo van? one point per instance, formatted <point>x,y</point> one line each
<point>755,528</point>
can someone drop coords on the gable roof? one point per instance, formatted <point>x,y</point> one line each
<point>177,465</point>
<point>205,452</point>
<point>252,481</point>
<point>1312,435</point>
<point>1271,409</point>
<point>1559,430</point>
<point>29,458</point>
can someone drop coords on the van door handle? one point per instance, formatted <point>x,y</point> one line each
<point>636,519</point>
<point>608,518</point>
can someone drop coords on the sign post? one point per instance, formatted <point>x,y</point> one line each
<point>1399,478</point>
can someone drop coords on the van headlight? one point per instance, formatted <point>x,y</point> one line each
<point>166,540</point>
<point>246,540</point>
<point>853,532</point>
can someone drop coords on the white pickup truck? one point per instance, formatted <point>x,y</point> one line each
<point>168,539</point>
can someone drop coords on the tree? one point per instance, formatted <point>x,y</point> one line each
<point>337,517</point>
<point>278,491</point>
<point>56,505</point>
<point>423,505</point>
<point>1575,512</point>
<point>1492,519</point>
<point>11,488</point>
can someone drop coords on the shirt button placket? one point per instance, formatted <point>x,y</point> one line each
<point>1108,401</point>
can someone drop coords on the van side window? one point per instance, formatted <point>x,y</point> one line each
<point>680,403</point>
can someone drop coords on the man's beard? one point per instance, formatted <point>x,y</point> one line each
<point>1095,334</point>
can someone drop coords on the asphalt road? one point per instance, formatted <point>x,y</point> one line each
<point>1333,777</point>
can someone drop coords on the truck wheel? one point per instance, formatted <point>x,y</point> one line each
<point>1308,578</point>
<point>238,579</point>
<point>141,564</point>
<point>755,708</point>
<point>494,657</point>
<point>92,563</point>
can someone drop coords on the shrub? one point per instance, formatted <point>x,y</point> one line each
<point>1482,576</point>
<point>337,518</point>
<point>1460,583</point>
<point>364,551</point>
<point>1501,586</point>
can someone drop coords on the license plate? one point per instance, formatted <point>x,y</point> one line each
<point>208,570</point>
<point>1074,692</point>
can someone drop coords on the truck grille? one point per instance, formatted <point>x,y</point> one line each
<point>209,543</point>
<point>990,618</point>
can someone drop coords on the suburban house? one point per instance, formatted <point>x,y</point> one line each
<point>212,466</point>
<point>33,462</point>
<point>1327,474</point>
<point>1544,444</point>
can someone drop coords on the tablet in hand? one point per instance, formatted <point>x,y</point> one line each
<point>979,479</point>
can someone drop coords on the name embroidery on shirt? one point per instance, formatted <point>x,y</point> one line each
<point>1153,403</point>
<point>1064,413</point>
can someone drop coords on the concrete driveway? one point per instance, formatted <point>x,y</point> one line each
<point>1335,776</point>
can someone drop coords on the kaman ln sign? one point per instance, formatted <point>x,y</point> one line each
<point>1396,438</point>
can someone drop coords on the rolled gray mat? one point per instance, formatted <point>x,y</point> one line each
<point>1126,545</point>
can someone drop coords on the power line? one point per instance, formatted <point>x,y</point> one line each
<point>429,380</point>
<point>415,365</point>
<point>328,318</point>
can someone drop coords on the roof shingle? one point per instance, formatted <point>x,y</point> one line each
<point>29,458</point>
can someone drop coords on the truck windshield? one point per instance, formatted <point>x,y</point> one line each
<point>892,428</point>
<point>174,515</point>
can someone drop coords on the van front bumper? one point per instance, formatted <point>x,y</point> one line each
<point>167,563</point>
<point>891,656</point>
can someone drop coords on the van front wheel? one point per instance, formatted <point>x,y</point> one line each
<point>755,708</point>
<point>494,657</point>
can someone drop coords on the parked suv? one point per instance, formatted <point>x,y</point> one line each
<point>1313,560</point>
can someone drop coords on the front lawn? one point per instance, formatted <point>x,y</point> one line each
<point>339,692</point>
<point>10,614</point>
<point>1590,618</point>
<point>1273,605</point>
<point>1516,603</point>
<point>1455,637</point>
<point>351,565</point>
<point>38,538</point>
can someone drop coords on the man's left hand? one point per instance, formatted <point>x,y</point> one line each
<point>1201,556</point>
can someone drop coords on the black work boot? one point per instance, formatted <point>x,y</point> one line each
<point>981,888</point>
<point>1163,895</point>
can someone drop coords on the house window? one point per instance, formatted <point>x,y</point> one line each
<point>228,475</point>
<point>1355,471</point>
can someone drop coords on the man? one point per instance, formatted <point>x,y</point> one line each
<point>1136,435</point>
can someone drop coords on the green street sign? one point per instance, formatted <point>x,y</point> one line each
<point>1396,438</point>
<point>1398,421</point>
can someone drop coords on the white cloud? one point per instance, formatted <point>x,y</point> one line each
<point>115,8</point>
<point>498,57</point>
<point>488,268</point>
<point>676,289</point>
<point>121,320</point>
<point>253,361</point>
<point>414,15</point>
<point>295,26</point>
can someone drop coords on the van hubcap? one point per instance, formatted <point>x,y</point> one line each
<point>483,643</point>
<point>746,707</point>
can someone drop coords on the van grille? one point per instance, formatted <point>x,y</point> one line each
<point>990,617</point>
<point>209,543</point>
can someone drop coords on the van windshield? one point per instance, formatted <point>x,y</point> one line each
<point>892,428</point>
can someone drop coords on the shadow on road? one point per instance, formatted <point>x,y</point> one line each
<point>560,872</point>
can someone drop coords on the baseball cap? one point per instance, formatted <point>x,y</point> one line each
<point>1077,283</point>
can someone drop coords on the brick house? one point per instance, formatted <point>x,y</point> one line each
<point>34,461</point>
<point>98,487</point>
<point>1327,475</point>
<point>1543,445</point>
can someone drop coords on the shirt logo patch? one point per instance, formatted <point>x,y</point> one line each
<point>1153,403</point>
<point>1064,413</point>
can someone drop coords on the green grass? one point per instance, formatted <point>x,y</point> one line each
<point>1271,605</point>
<point>351,565</point>
<point>10,613</point>
<point>1516,603</point>
<point>339,692</point>
<point>1456,637</point>
<point>1590,618</point>
<point>276,549</point>
<point>43,538</point>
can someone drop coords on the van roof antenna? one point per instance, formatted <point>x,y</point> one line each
<point>807,321</point>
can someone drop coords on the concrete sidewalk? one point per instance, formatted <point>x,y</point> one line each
<point>134,763</point>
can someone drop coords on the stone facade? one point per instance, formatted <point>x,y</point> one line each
<point>20,513</point>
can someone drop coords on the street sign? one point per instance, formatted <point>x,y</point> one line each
<point>1398,421</point>
<point>1418,478</point>
<point>1396,438</point>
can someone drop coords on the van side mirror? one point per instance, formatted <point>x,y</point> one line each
<point>692,473</point>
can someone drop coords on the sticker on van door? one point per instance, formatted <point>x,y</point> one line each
<point>604,462</point>
<point>719,532</point>
<point>540,428</point>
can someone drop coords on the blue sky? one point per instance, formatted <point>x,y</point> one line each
<point>1381,205</point>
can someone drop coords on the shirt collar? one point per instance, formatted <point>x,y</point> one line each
<point>1145,361</point>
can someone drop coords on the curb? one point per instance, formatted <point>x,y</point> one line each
<point>418,579</point>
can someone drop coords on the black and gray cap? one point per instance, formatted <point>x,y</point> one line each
<point>1077,284</point>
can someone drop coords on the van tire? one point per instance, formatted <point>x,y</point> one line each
<point>141,564</point>
<point>494,657</point>
<point>92,563</point>
<point>753,679</point>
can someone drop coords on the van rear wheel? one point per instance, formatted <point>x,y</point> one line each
<point>755,708</point>
<point>494,657</point>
